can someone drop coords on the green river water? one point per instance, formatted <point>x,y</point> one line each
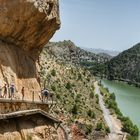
<point>128,99</point>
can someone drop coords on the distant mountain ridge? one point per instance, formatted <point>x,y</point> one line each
<point>111,53</point>
<point>126,66</point>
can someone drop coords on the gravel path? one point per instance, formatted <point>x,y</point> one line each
<point>115,128</point>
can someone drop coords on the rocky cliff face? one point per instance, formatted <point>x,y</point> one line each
<point>25,27</point>
<point>33,127</point>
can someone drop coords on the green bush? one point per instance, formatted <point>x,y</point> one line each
<point>68,86</point>
<point>99,126</point>
<point>88,79</point>
<point>53,72</point>
<point>58,96</point>
<point>53,88</point>
<point>88,129</point>
<point>91,113</point>
<point>118,112</point>
<point>74,109</point>
<point>97,98</point>
<point>91,94</point>
<point>107,129</point>
<point>132,138</point>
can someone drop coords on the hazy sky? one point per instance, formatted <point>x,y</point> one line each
<point>106,24</point>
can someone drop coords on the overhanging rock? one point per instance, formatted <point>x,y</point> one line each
<point>25,27</point>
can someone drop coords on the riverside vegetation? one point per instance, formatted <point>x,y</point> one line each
<point>74,93</point>
<point>127,125</point>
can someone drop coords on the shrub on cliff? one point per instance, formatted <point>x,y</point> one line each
<point>132,138</point>
<point>68,86</point>
<point>91,113</point>
<point>97,98</point>
<point>53,88</point>
<point>91,94</point>
<point>99,126</point>
<point>107,129</point>
<point>74,110</point>
<point>88,129</point>
<point>53,72</point>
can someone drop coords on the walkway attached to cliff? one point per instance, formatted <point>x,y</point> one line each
<point>15,105</point>
<point>115,129</point>
<point>27,113</point>
<point>3,100</point>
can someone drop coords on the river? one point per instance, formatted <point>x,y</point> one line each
<point>128,99</point>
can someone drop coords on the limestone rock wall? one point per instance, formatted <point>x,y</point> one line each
<point>34,127</point>
<point>9,107</point>
<point>25,27</point>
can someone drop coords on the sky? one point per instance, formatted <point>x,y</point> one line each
<point>105,24</point>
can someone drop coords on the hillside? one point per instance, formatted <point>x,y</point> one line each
<point>105,55</point>
<point>126,66</point>
<point>77,105</point>
<point>66,50</point>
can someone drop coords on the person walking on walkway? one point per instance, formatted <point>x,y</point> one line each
<point>22,92</point>
<point>5,91</point>
<point>0,91</point>
<point>9,92</point>
<point>12,91</point>
<point>44,94</point>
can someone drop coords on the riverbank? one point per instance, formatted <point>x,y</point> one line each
<point>113,123</point>
<point>127,125</point>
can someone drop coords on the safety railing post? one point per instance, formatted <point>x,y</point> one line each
<point>33,96</point>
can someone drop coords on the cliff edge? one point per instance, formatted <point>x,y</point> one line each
<point>25,27</point>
